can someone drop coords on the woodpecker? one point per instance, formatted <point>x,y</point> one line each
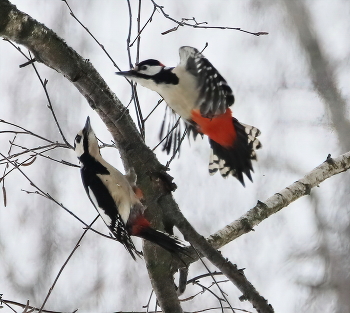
<point>197,92</point>
<point>116,197</point>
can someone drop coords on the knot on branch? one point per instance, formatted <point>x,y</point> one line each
<point>163,180</point>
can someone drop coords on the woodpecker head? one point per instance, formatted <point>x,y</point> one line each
<point>150,74</point>
<point>85,141</point>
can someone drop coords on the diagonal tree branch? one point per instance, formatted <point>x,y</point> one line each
<point>230,270</point>
<point>277,202</point>
<point>280,200</point>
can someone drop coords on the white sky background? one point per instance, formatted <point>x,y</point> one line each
<point>269,75</point>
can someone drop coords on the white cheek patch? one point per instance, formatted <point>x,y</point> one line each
<point>151,70</point>
<point>102,213</point>
<point>79,149</point>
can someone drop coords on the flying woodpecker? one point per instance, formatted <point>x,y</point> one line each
<point>116,197</point>
<point>197,92</point>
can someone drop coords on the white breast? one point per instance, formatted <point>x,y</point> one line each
<point>182,97</point>
<point>120,190</point>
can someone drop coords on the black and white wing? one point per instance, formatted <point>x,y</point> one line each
<point>215,96</point>
<point>106,207</point>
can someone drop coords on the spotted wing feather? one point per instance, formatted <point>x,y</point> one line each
<point>215,96</point>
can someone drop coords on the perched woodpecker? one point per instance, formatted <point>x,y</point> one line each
<point>196,91</point>
<point>116,197</point>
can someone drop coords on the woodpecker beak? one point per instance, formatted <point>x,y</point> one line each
<point>126,73</point>
<point>87,127</point>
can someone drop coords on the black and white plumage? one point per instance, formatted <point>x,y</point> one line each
<point>196,91</point>
<point>113,195</point>
<point>214,95</point>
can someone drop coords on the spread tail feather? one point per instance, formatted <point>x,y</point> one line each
<point>167,242</point>
<point>237,159</point>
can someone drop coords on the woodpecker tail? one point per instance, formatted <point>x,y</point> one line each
<point>141,228</point>
<point>167,242</point>
<point>236,159</point>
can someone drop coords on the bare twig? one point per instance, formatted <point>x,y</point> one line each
<point>129,34</point>
<point>167,135</point>
<point>65,263</point>
<point>138,112</point>
<point>156,106</point>
<point>134,95</point>
<point>213,293</point>
<point>93,37</point>
<point>148,21</point>
<point>3,176</point>
<point>8,302</point>
<point>198,25</point>
<point>138,31</point>
<point>26,131</point>
<point>148,303</point>
<point>55,145</point>
<point>47,156</point>
<point>44,84</point>
<point>44,194</point>
<point>133,85</point>
<point>203,276</point>
<point>215,282</point>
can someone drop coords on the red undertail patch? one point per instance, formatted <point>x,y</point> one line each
<point>219,128</point>
<point>140,224</point>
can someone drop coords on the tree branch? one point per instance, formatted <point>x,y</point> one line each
<point>279,201</point>
<point>265,209</point>
<point>230,270</point>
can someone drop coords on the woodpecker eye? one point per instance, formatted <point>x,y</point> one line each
<point>143,67</point>
<point>77,138</point>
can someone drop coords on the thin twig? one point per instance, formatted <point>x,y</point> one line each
<point>65,263</point>
<point>149,301</point>
<point>144,26</point>
<point>48,157</point>
<point>133,85</point>
<point>156,106</point>
<point>214,280</point>
<point>129,34</point>
<point>87,30</point>
<point>7,302</point>
<point>171,130</point>
<point>48,196</point>
<point>4,174</point>
<point>56,145</point>
<point>199,25</point>
<point>4,301</point>
<point>44,84</point>
<point>203,276</point>
<point>138,31</point>
<point>26,131</point>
